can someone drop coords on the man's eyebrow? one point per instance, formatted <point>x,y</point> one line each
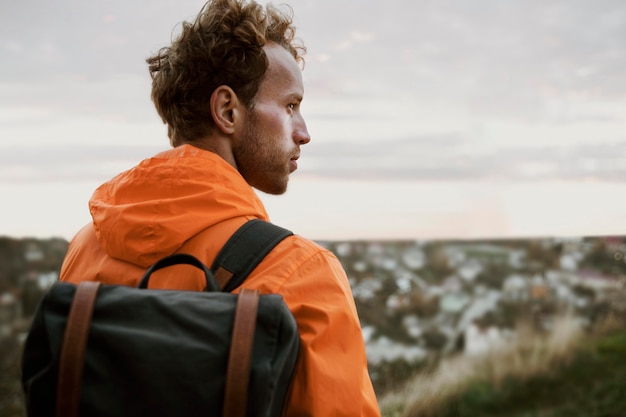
<point>296,96</point>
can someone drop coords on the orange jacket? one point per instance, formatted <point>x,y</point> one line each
<point>191,201</point>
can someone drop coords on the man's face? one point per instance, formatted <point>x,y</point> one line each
<point>274,128</point>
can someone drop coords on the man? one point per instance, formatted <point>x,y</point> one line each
<point>229,89</point>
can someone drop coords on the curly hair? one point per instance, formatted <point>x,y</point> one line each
<point>223,46</point>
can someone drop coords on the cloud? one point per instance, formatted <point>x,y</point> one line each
<point>70,162</point>
<point>443,158</point>
<point>508,59</point>
<point>99,39</point>
<point>465,90</point>
<point>464,93</point>
<point>453,158</point>
<point>355,37</point>
<point>75,96</point>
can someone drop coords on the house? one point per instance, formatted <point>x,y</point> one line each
<point>9,313</point>
<point>413,257</point>
<point>539,290</point>
<point>515,288</point>
<point>488,254</point>
<point>33,253</point>
<point>482,338</point>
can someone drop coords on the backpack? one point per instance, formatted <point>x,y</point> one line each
<point>111,350</point>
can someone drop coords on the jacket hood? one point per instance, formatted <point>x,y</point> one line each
<point>150,210</point>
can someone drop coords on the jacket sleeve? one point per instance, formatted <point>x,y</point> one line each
<point>332,377</point>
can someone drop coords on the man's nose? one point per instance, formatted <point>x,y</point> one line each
<point>301,134</point>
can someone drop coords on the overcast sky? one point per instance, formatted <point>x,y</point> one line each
<point>469,119</point>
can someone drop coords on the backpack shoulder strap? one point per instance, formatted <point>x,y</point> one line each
<point>245,249</point>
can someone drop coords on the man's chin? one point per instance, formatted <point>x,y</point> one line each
<point>274,189</point>
<point>272,192</point>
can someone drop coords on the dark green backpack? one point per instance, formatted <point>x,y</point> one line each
<point>145,352</point>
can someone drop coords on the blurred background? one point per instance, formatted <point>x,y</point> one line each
<point>429,119</point>
<point>465,166</point>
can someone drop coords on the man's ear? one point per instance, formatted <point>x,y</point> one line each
<point>224,108</point>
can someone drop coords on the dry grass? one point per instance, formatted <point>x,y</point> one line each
<point>529,354</point>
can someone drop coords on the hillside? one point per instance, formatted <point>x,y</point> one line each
<point>575,374</point>
<point>420,302</point>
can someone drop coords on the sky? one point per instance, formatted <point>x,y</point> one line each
<point>429,119</point>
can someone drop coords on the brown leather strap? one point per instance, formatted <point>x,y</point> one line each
<point>72,357</point>
<point>240,356</point>
<point>222,276</point>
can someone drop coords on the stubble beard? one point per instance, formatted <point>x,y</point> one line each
<point>260,160</point>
